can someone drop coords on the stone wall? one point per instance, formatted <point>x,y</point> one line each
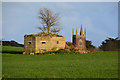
<point>44,43</point>
<point>79,41</point>
<point>29,43</point>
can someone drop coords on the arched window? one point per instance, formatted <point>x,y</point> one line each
<point>80,42</point>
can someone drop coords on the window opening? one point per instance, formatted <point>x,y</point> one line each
<point>57,42</point>
<point>43,42</point>
<point>29,42</point>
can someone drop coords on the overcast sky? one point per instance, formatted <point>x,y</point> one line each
<point>99,18</point>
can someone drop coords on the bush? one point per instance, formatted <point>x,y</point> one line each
<point>60,51</point>
<point>70,44</point>
<point>44,34</point>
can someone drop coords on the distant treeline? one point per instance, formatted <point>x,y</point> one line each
<point>12,43</point>
<point>89,46</point>
<point>110,44</point>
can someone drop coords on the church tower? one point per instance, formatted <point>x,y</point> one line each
<point>79,40</point>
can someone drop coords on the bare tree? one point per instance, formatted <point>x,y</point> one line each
<point>49,21</point>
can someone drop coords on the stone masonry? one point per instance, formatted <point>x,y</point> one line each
<point>79,41</point>
<point>39,44</point>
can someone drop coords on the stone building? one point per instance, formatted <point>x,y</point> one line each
<point>79,40</point>
<point>40,44</point>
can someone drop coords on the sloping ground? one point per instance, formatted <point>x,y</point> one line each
<point>91,65</point>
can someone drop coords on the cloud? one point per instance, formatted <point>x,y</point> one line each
<point>94,33</point>
<point>98,18</point>
<point>65,6</point>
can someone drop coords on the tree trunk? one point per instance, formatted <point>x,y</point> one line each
<point>48,29</point>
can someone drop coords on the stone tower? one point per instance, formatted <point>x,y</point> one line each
<point>79,40</point>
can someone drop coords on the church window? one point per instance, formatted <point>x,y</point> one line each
<point>80,43</point>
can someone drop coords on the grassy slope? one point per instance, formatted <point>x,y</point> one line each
<point>92,65</point>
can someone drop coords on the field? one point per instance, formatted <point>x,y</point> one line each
<point>95,64</point>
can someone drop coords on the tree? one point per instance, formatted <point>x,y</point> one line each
<point>12,43</point>
<point>49,21</point>
<point>89,45</point>
<point>110,44</point>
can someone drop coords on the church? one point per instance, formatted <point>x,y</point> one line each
<point>79,40</point>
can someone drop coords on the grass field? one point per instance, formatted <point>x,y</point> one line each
<point>91,65</point>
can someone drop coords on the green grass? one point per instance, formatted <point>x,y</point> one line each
<point>91,65</point>
<point>12,50</point>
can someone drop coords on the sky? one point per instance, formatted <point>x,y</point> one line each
<point>99,18</point>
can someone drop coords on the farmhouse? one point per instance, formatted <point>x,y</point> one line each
<point>43,42</point>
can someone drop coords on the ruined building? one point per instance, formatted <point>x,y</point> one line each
<point>39,44</point>
<point>79,40</point>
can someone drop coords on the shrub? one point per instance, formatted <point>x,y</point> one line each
<point>60,51</point>
<point>43,34</point>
